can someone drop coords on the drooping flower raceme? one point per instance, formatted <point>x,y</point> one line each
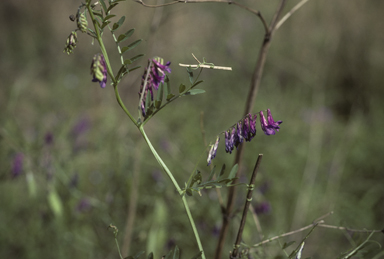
<point>99,70</point>
<point>245,129</point>
<point>152,79</point>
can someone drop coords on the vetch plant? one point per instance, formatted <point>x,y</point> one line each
<point>95,18</point>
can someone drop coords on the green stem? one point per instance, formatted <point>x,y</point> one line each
<point>109,68</point>
<point>179,190</point>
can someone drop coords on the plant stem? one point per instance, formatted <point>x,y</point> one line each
<point>246,206</point>
<point>254,87</point>
<point>109,68</point>
<point>179,190</point>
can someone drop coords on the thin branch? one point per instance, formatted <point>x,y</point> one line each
<point>351,229</point>
<point>272,26</point>
<point>206,66</point>
<point>288,233</point>
<point>246,207</point>
<point>253,89</point>
<point>289,14</point>
<point>256,12</point>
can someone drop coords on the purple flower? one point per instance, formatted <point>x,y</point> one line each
<point>99,70</point>
<point>158,72</point>
<point>83,206</point>
<point>212,151</point>
<point>264,125</point>
<point>155,76</point>
<point>48,138</point>
<point>271,123</point>
<point>17,165</point>
<point>263,208</point>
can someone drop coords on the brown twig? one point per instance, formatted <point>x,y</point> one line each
<point>256,12</point>
<point>289,14</point>
<point>288,234</point>
<point>254,87</point>
<point>320,223</point>
<point>246,207</point>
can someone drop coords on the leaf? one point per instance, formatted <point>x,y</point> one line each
<point>98,13</point>
<point>133,59</point>
<point>122,71</point>
<point>190,74</point>
<point>194,92</point>
<point>150,256</point>
<point>125,36</point>
<point>181,88</point>
<point>109,17</point>
<point>103,5</point>
<point>225,181</point>
<point>233,172</point>
<point>131,46</point>
<point>176,253</point>
<point>212,173</point>
<point>197,83</point>
<point>127,62</point>
<point>111,6</point>
<point>221,171</point>
<point>134,68</point>
<point>118,24</point>
<point>288,244</point>
<point>170,96</point>
<point>105,24</point>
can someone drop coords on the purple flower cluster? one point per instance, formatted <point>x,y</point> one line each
<point>99,70</point>
<point>17,165</point>
<point>156,76</point>
<point>245,129</point>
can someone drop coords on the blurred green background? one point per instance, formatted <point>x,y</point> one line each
<point>72,163</point>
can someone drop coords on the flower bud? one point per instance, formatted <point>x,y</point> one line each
<point>82,22</point>
<point>71,43</point>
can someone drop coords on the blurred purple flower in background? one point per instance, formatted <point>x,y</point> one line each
<point>263,208</point>
<point>17,165</point>
<point>99,70</point>
<point>48,138</point>
<point>83,206</point>
<point>81,126</point>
